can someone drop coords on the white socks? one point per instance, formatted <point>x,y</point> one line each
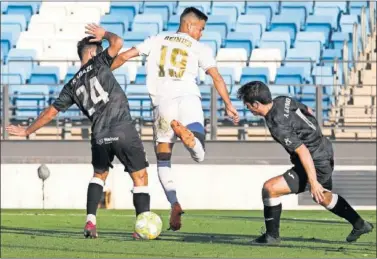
<point>92,218</point>
<point>197,152</point>
<point>167,181</point>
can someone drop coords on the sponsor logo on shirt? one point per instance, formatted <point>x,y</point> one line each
<point>107,140</point>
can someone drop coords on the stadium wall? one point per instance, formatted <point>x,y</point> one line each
<point>225,187</point>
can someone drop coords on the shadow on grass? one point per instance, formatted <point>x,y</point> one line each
<point>203,238</point>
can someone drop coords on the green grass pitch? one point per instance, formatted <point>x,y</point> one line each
<point>59,233</point>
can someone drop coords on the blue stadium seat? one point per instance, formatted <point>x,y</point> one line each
<point>286,24</point>
<point>4,7</point>
<point>341,5</point>
<point>135,37</point>
<point>12,78</point>
<point>331,55</point>
<point>27,9</point>
<point>121,75</point>
<point>219,23</point>
<point>44,75</point>
<point>173,23</point>
<point>255,74</point>
<point>30,100</point>
<point>125,9</point>
<point>71,71</point>
<point>279,90</point>
<point>205,7</point>
<point>290,77</point>
<point>6,42</point>
<point>213,39</point>
<point>16,20</point>
<point>15,33</point>
<point>165,9</point>
<point>298,58</point>
<point>148,22</point>
<point>300,10</point>
<point>268,9</point>
<point>141,76</point>
<point>279,40</point>
<point>240,40</point>
<point>323,75</point>
<point>319,24</point>
<point>356,6</point>
<point>116,24</point>
<point>347,23</point>
<point>333,12</point>
<point>311,42</point>
<point>227,73</point>
<point>232,9</point>
<point>253,24</point>
<point>21,61</point>
<point>139,101</point>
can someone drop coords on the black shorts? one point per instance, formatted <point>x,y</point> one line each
<point>123,142</point>
<point>297,178</point>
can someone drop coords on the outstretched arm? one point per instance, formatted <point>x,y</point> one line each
<point>220,86</point>
<point>116,42</point>
<point>123,57</point>
<point>45,117</point>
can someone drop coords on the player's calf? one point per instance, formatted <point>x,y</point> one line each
<point>141,198</point>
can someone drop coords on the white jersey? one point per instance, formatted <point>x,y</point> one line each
<point>173,64</point>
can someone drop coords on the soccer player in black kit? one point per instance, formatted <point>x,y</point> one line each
<point>96,92</point>
<point>293,125</point>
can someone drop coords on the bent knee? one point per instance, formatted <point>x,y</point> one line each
<point>140,178</point>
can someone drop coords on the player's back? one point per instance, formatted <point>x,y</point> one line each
<point>96,92</point>
<point>173,64</point>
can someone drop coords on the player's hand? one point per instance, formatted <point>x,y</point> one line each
<point>16,130</point>
<point>97,31</point>
<point>232,113</point>
<point>317,191</point>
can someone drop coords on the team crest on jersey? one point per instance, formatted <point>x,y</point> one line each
<point>288,142</point>
<point>163,125</point>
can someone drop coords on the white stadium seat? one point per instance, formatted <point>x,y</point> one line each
<point>30,40</point>
<point>55,9</point>
<point>51,57</point>
<point>232,57</point>
<point>132,65</point>
<point>269,55</point>
<point>104,7</point>
<point>47,25</point>
<point>85,15</point>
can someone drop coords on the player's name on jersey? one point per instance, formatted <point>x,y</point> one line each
<point>180,40</point>
<point>82,72</point>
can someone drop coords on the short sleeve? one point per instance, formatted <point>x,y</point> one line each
<point>286,137</point>
<point>206,59</point>
<point>104,58</point>
<point>65,99</point>
<point>145,47</point>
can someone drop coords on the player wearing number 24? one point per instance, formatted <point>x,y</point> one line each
<point>99,96</point>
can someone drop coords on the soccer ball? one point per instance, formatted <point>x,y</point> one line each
<point>148,225</point>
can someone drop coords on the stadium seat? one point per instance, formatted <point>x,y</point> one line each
<point>104,7</point>
<point>253,24</point>
<point>235,58</point>
<point>290,77</point>
<point>300,10</point>
<point>130,66</point>
<point>205,7</point>
<point>29,40</point>
<point>125,9</point>
<point>44,75</point>
<point>298,58</point>
<point>18,22</point>
<point>30,100</point>
<point>173,23</point>
<point>341,5</point>
<point>288,24</point>
<point>71,71</point>
<point>347,22</point>
<point>255,74</point>
<point>228,73</point>
<point>319,24</point>
<point>54,9</point>
<point>213,39</point>
<point>22,60</point>
<point>279,40</point>
<point>27,9</point>
<point>323,75</point>
<point>122,76</point>
<point>268,9</point>
<point>3,6</point>
<point>332,12</point>
<point>311,42</point>
<point>219,23</point>
<point>266,58</point>
<point>48,24</point>
<point>12,78</point>
<point>152,23</point>
<point>165,9</point>
<point>331,55</point>
<point>356,6</point>
<point>141,76</point>
<point>136,37</point>
<point>6,44</point>
<point>232,9</point>
<point>116,24</point>
<point>240,40</point>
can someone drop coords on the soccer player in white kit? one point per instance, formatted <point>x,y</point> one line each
<point>172,68</point>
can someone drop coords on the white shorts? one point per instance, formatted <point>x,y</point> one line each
<point>186,109</point>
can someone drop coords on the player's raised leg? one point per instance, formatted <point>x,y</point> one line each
<point>272,191</point>
<point>340,207</point>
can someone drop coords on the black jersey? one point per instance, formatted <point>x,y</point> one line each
<point>97,93</point>
<point>291,124</point>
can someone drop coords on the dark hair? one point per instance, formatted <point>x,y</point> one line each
<point>254,91</point>
<point>199,14</point>
<point>85,43</point>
